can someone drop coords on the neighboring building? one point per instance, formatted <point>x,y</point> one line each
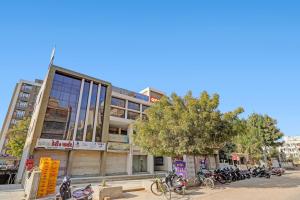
<point>21,106</point>
<point>291,146</point>
<point>86,123</point>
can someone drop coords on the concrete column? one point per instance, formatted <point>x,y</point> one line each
<point>103,163</point>
<point>70,163</point>
<point>169,163</point>
<point>190,165</point>
<point>129,163</point>
<point>150,164</point>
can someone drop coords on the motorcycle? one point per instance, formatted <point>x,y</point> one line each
<point>65,192</point>
<point>260,172</point>
<point>177,183</point>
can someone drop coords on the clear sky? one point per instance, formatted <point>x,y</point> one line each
<point>247,51</point>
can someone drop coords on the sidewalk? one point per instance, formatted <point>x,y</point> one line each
<point>11,193</point>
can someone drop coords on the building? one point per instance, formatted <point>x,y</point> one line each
<point>20,107</point>
<point>86,123</point>
<point>291,147</point>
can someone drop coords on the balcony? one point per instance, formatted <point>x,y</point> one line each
<point>118,138</point>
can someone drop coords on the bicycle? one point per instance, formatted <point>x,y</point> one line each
<point>160,187</point>
<point>200,179</point>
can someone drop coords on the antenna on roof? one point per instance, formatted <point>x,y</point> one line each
<point>52,56</point>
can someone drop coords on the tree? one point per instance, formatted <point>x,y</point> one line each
<point>17,137</point>
<point>177,126</point>
<point>259,132</point>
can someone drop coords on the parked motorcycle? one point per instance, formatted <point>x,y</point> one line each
<point>177,183</point>
<point>260,172</point>
<point>65,192</point>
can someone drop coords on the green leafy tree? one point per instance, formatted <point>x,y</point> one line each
<point>177,126</point>
<point>258,133</point>
<point>17,137</point>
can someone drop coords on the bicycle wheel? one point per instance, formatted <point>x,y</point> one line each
<point>166,191</point>
<point>208,182</point>
<point>156,189</point>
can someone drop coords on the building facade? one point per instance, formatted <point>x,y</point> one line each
<point>20,107</point>
<point>291,147</point>
<point>86,123</point>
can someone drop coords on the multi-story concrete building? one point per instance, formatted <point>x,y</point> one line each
<point>86,123</point>
<point>20,107</point>
<point>291,146</point>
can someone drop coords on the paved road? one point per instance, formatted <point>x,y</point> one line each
<point>286,187</point>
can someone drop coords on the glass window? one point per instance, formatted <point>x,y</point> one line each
<point>26,88</point>
<point>133,106</point>
<point>144,107</point>
<point>118,102</point>
<point>123,132</point>
<point>20,113</point>
<point>101,114</point>
<point>13,122</point>
<point>23,104</point>
<point>116,112</point>
<point>113,130</point>
<point>82,114</point>
<point>62,107</point>
<point>23,95</point>
<point>133,115</point>
<point>92,112</point>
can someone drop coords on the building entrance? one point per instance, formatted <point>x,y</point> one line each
<point>139,163</point>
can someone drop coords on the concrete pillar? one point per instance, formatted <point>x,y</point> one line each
<point>150,164</point>
<point>31,185</point>
<point>169,163</point>
<point>103,163</point>
<point>190,165</point>
<point>129,163</point>
<point>70,163</point>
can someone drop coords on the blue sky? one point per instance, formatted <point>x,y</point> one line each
<point>247,51</point>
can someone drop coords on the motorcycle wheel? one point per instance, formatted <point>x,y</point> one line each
<point>221,180</point>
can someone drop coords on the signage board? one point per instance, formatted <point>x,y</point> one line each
<point>54,144</point>
<point>117,147</point>
<point>89,145</point>
<point>69,145</point>
<point>180,168</point>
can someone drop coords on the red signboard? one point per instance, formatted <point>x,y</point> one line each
<point>29,164</point>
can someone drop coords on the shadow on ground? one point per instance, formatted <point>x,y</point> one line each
<point>288,180</point>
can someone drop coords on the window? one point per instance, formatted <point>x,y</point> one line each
<point>113,130</point>
<point>92,112</point>
<point>116,112</point>
<point>117,130</point>
<point>101,113</point>
<point>159,161</point>
<point>26,88</point>
<point>144,107</point>
<point>82,114</point>
<point>20,113</point>
<point>133,106</point>
<point>22,104</point>
<point>13,121</point>
<point>62,107</point>
<point>133,115</point>
<point>23,95</point>
<point>118,102</point>
<point>123,132</point>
